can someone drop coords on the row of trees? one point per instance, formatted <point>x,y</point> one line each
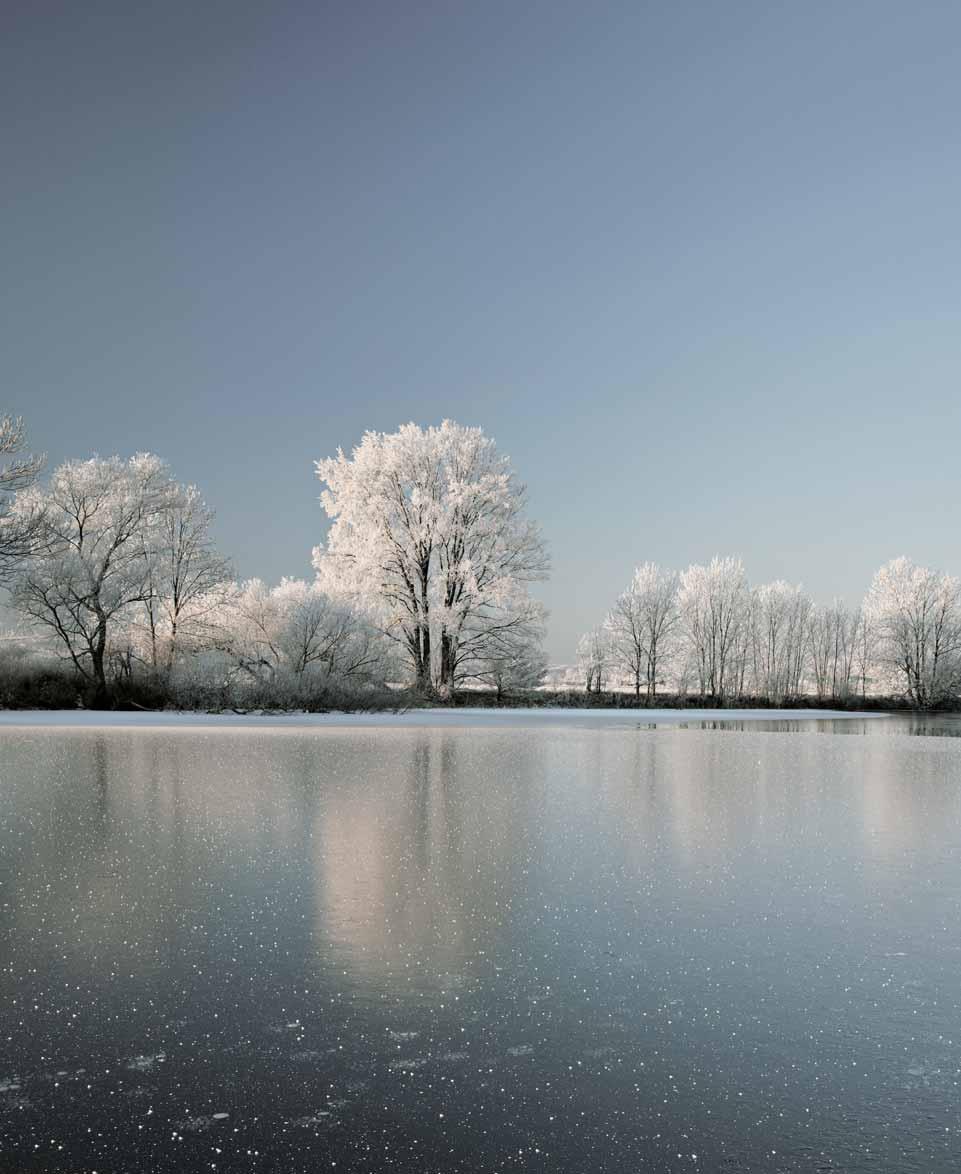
<point>123,577</point>
<point>423,578</point>
<point>707,630</point>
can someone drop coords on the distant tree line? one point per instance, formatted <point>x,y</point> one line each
<point>707,631</point>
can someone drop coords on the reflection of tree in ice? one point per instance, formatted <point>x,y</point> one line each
<point>413,874</point>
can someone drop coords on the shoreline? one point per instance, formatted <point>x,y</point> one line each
<point>439,717</point>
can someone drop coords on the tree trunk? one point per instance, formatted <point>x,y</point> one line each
<point>153,634</point>
<point>446,661</point>
<point>172,647</point>
<point>101,696</point>
<point>422,682</point>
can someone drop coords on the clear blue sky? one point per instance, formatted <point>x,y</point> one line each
<point>695,266</point>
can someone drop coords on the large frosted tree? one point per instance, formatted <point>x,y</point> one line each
<point>429,529</point>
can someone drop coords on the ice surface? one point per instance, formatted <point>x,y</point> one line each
<point>561,938</point>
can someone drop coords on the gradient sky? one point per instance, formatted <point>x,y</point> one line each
<point>695,266</point>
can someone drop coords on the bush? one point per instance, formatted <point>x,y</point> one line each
<point>26,684</point>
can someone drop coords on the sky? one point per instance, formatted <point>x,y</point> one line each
<point>696,267</point>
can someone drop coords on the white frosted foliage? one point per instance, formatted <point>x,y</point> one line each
<point>429,533</point>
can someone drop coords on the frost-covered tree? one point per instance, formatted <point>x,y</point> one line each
<point>916,613</point>
<point>188,580</point>
<point>832,633</point>
<point>514,662</point>
<point>643,626</point>
<point>594,658</point>
<point>505,646</point>
<point>251,629</point>
<point>714,609</point>
<point>298,632</point>
<point>323,635</point>
<point>778,643</point>
<point>429,531</point>
<point>19,530</point>
<point>96,525</point>
<point>865,649</point>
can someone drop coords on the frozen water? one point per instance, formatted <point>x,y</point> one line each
<point>145,1063</point>
<point>603,945</point>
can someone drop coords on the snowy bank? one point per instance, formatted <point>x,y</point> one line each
<point>434,718</point>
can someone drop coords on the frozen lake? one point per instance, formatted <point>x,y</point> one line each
<point>442,943</point>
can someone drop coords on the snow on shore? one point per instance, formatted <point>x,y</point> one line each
<point>443,718</point>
